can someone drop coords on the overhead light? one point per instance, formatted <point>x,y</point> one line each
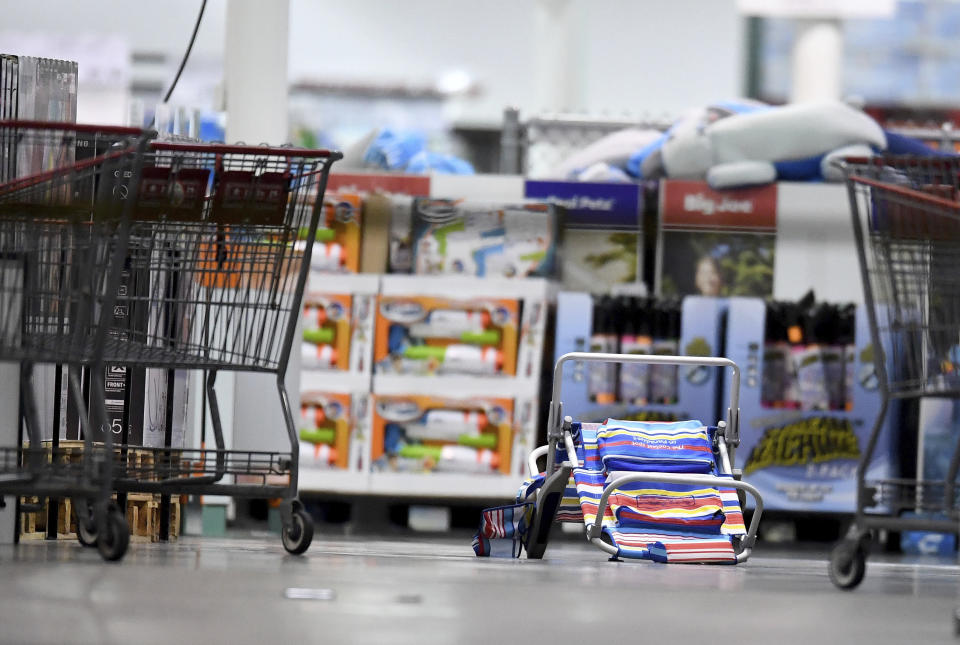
<point>454,82</point>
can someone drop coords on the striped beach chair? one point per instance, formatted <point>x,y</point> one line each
<point>644,490</point>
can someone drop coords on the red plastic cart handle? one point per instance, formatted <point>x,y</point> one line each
<point>902,191</point>
<point>225,149</point>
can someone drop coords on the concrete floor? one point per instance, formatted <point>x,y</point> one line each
<point>433,590</point>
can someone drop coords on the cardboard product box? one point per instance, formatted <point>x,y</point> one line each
<point>715,243</point>
<point>800,448</point>
<point>444,326</point>
<point>161,384</point>
<point>419,433</point>
<point>338,323</point>
<point>334,428</point>
<point>452,236</point>
<point>602,225</point>
<point>327,325</point>
<point>385,236</point>
<point>9,77</point>
<point>593,392</point>
<point>125,385</point>
<point>336,247</point>
<point>938,433</point>
<point>428,335</point>
<point>46,90</point>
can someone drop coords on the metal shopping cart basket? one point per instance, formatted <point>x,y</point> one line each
<point>906,222</point>
<point>64,224</point>
<point>644,490</point>
<point>216,268</point>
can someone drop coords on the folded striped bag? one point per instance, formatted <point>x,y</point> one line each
<point>503,530</point>
<point>672,546</point>
<point>664,522</point>
<point>673,537</point>
<point>672,506</point>
<point>649,446</point>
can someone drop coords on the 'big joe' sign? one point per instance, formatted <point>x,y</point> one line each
<point>693,205</point>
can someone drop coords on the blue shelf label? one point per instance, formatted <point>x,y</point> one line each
<point>591,205</point>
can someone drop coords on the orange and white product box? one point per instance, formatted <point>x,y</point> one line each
<point>338,324</point>
<point>429,326</point>
<point>334,426</point>
<point>422,433</point>
<point>336,243</point>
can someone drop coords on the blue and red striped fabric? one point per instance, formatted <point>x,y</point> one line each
<point>733,523</point>
<point>658,521</point>
<point>503,530</point>
<point>651,505</point>
<point>655,521</point>
<point>650,446</point>
<point>672,546</point>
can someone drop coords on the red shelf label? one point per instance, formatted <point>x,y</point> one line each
<point>413,185</point>
<point>693,205</point>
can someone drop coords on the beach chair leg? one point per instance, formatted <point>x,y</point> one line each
<point>548,500</point>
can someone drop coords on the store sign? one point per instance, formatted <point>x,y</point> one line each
<point>693,205</point>
<point>591,205</point>
<point>413,185</point>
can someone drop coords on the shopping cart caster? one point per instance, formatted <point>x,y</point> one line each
<point>113,537</point>
<point>848,563</point>
<point>297,535</point>
<point>86,523</point>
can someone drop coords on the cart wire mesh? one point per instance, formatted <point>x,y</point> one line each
<point>907,222</point>
<point>60,220</point>
<point>164,465</point>
<point>898,495</point>
<point>215,266</point>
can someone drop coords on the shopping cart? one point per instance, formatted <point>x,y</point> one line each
<point>215,270</point>
<point>643,510</point>
<point>64,223</point>
<point>906,222</point>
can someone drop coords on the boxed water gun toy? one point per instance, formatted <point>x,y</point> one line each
<point>443,331</point>
<point>334,427</point>
<point>325,424</point>
<point>338,326</point>
<point>421,433</point>
<point>336,243</point>
<point>486,240</point>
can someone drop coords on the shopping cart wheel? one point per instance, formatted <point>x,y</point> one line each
<point>848,563</point>
<point>114,536</point>
<point>86,524</point>
<point>298,535</point>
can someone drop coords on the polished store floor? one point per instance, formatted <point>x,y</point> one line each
<point>432,589</point>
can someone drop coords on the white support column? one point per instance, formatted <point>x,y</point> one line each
<point>817,61</point>
<point>255,70</point>
<point>559,60</point>
<point>255,100</point>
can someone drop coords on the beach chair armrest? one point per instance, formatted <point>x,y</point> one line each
<point>535,454</point>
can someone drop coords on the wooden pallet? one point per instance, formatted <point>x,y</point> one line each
<point>143,518</point>
<point>33,526</point>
